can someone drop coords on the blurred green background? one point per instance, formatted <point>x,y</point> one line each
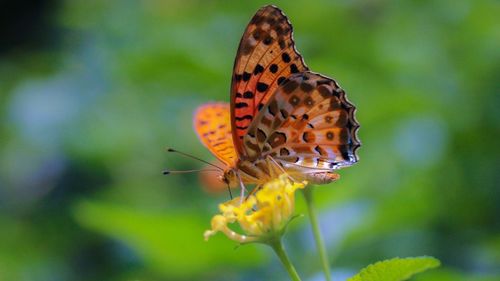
<point>91,93</point>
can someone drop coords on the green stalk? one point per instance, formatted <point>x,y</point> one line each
<point>278,248</point>
<point>320,245</point>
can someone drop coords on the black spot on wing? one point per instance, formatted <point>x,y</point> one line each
<point>306,87</point>
<point>344,151</point>
<point>268,40</point>
<point>309,102</point>
<point>325,91</point>
<point>282,43</point>
<point>262,87</point>
<point>294,100</point>
<point>305,136</point>
<point>281,79</point>
<point>320,151</point>
<point>277,139</point>
<point>284,113</point>
<point>290,86</point>
<point>240,105</point>
<point>329,135</point>
<point>284,152</point>
<point>272,108</point>
<point>261,135</point>
<point>273,68</point>
<point>258,69</point>
<point>286,57</point>
<point>257,34</point>
<point>248,95</point>
<point>246,76</point>
<point>249,117</point>
<point>322,82</point>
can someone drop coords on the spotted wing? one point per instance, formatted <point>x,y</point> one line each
<point>213,126</point>
<point>307,123</point>
<point>266,57</point>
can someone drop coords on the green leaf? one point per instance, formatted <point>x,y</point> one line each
<point>396,269</point>
<point>170,244</point>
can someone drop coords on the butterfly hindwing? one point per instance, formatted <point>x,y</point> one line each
<point>266,57</point>
<point>213,126</point>
<point>307,122</point>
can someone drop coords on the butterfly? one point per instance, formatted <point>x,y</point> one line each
<point>282,117</point>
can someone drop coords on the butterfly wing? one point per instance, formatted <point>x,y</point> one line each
<point>213,126</point>
<point>307,123</point>
<point>266,57</point>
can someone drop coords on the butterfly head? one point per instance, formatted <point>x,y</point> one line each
<point>230,177</point>
<point>217,181</point>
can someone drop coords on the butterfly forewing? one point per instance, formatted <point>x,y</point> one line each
<point>308,122</point>
<point>266,57</point>
<point>213,126</point>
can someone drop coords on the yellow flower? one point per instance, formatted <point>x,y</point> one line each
<point>261,216</point>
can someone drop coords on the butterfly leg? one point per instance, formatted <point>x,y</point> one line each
<point>272,160</point>
<point>230,193</point>
<point>255,189</point>
<point>243,189</point>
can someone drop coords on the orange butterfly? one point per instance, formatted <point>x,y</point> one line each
<point>282,117</point>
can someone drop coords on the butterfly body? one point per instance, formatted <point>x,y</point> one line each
<point>262,171</point>
<point>282,117</point>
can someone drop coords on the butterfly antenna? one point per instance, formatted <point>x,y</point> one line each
<point>194,157</point>
<point>230,193</point>
<point>168,172</point>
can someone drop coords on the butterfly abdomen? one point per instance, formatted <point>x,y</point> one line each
<point>321,178</point>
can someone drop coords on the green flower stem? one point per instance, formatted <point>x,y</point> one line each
<point>278,248</point>
<point>317,233</point>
